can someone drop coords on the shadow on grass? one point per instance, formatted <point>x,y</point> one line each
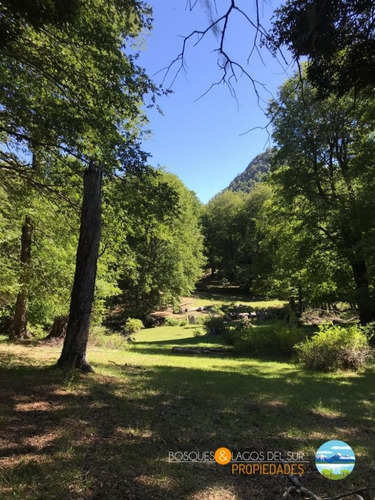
<point>199,339</point>
<point>164,347</point>
<point>66,435</point>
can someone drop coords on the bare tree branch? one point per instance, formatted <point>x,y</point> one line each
<point>231,69</point>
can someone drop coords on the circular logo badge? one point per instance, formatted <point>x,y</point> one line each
<point>335,460</point>
<point>223,456</point>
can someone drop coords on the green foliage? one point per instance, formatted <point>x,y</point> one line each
<point>337,36</point>
<point>335,348</point>
<point>319,224</point>
<point>100,337</point>
<point>215,309</point>
<point>73,89</point>
<point>200,320</point>
<point>9,237</point>
<point>70,91</point>
<point>39,331</point>
<point>254,173</point>
<point>215,325</point>
<point>170,321</point>
<point>369,331</point>
<point>232,241</point>
<point>14,14</point>
<point>162,243</point>
<point>133,325</point>
<point>275,339</point>
<point>198,333</point>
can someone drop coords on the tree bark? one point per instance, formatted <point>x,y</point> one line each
<point>58,330</point>
<point>19,329</point>
<point>74,350</point>
<point>364,300</point>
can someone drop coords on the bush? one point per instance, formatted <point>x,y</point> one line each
<point>38,331</point>
<point>201,320</point>
<point>198,333</point>
<point>334,348</point>
<point>169,321</point>
<point>215,325</point>
<point>101,337</point>
<point>215,309</point>
<point>369,331</point>
<point>132,325</point>
<point>275,340</point>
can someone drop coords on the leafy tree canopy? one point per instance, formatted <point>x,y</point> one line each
<point>338,37</point>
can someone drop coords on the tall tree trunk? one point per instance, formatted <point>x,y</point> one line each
<point>20,315</point>
<point>364,300</point>
<point>74,350</point>
<point>366,307</point>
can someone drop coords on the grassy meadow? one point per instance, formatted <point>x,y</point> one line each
<point>108,434</point>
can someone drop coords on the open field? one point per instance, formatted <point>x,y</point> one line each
<point>206,299</point>
<point>108,435</point>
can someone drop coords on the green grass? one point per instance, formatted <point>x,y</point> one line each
<point>108,435</point>
<point>206,299</point>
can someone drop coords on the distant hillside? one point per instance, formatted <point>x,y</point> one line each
<point>254,173</point>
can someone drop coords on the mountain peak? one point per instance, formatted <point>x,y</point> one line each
<point>253,174</point>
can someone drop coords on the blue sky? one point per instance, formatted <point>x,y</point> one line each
<point>333,447</point>
<point>200,140</point>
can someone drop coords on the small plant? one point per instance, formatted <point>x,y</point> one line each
<point>369,331</point>
<point>215,325</point>
<point>215,309</point>
<point>38,331</point>
<point>275,340</point>
<point>132,325</point>
<point>170,321</point>
<point>335,348</point>
<point>200,320</point>
<point>101,337</point>
<point>197,333</point>
<point>243,324</point>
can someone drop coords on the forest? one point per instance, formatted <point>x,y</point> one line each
<point>137,322</point>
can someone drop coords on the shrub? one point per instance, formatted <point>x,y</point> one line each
<point>234,308</point>
<point>369,331</point>
<point>215,325</point>
<point>275,340</point>
<point>170,321</point>
<point>201,320</point>
<point>39,331</point>
<point>198,333</point>
<point>243,324</point>
<point>101,337</point>
<point>132,325</point>
<point>335,347</point>
<point>215,309</point>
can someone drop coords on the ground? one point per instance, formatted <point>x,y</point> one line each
<point>109,434</point>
